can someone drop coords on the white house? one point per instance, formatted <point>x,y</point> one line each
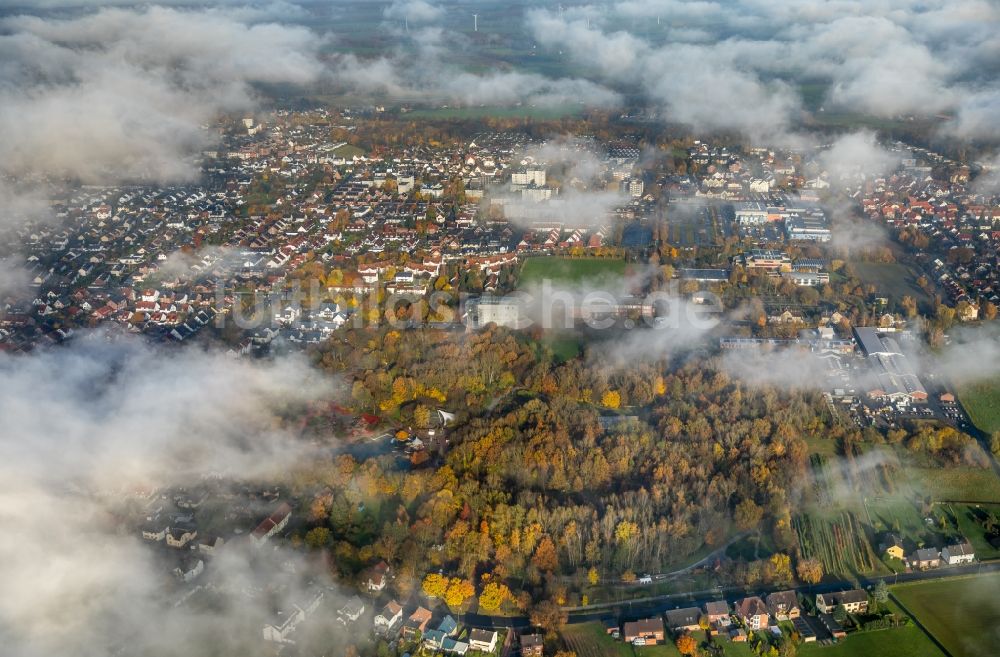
<point>390,615</point>
<point>958,553</point>
<point>189,569</point>
<point>485,640</point>
<point>286,620</point>
<point>351,611</point>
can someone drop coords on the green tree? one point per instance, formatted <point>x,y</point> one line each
<point>880,594</point>
<point>318,537</point>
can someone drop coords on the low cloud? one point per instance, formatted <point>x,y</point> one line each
<point>739,65</point>
<point>584,196</point>
<point>785,368</point>
<point>858,155</point>
<point>87,425</point>
<point>127,94</point>
<point>13,280</point>
<point>413,11</point>
<point>437,81</point>
<point>972,357</point>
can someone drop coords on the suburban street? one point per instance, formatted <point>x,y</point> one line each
<point>649,606</point>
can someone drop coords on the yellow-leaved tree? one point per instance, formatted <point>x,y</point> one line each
<point>435,585</point>
<point>611,399</point>
<point>492,596</point>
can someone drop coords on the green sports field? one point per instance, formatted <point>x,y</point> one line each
<point>569,270</point>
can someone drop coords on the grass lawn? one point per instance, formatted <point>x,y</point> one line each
<point>909,641</point>
<point>347,151</point>
<point>891,279</point>
<point>982,400</point>
<point>569,270</point>
<point>564,345</point>
<point>590,640</point>
<point>895,514</point>
<point>956,484</point>
<point>961,613</point>
<point>969,526</point>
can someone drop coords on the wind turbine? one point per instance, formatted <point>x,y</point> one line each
<point>475,22</point>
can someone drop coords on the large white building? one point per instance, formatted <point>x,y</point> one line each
<point>807,278</point>
<point>893,378</point>
<point>532,176</point>
<point>810,228</point>
<point>495,310</point>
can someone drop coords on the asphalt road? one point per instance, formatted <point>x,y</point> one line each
<point>644,607</point>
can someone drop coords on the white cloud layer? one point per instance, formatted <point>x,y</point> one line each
<point>88,423</point>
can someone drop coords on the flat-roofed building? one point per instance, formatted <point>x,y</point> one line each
<point>810,228</point>
<point>891,375</point>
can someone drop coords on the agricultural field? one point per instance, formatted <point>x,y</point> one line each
<point>569,270</point>
<point>840,542</point>
<point>961,613</point>
<point>852,501</point>
<point>982,401</point>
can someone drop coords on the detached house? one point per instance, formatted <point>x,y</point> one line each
<point>532,645</point>
<point>925,558</point>
<point>485,640</point>
<point>753,612</point>
<point>390,616</point>
<point>958,553</point>
<point>646,632</point>
<point>784,605</point>
<point>351,611</point>
<point>683,619</point>
<point>717,613</point>
<point>892,545</point>
<point>417,622</point>
<point>378,576</point>
<point>854,601</point>
<point>271,525</point>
